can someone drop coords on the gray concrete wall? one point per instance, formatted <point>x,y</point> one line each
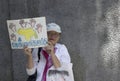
<point>6,70</point>
<point>90,32</point>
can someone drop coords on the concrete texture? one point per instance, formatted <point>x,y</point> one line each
<point>87,33</point>
<point>6,70</point>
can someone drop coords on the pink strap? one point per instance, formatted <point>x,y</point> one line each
<point>47,66</point>
<point>48,63</point>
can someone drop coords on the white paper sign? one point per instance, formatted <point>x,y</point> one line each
<point>29,32</point>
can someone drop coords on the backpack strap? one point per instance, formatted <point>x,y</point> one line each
<point>39,50</point>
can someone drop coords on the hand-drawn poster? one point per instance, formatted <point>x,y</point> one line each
<point>29,32</point>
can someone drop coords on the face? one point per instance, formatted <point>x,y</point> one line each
<point>53,37</point>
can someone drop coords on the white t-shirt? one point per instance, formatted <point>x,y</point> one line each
<point>61,53</point>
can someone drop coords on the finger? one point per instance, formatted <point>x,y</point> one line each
<point>51,41</point>
<point>25,47</point>
<point>28,49</point>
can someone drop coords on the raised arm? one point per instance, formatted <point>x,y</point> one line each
<point>28,53</point>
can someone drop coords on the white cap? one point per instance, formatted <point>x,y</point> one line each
<point>53,27</point>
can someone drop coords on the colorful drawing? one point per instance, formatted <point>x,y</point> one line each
<point>13,37</point>
<point>39,28</point>
<point>28,33</point>
<point>12,27</point>
<point>32,22</point>
<point>31,32</point>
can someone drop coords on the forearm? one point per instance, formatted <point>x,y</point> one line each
<point>56,61</point>
<point>30,64</point>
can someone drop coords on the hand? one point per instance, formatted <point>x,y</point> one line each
<point>49,48</point>
<point>28,51</point>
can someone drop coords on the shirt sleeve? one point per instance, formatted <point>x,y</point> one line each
<point>30,71</point>
<point>64,55</point>
<point>35,62</point>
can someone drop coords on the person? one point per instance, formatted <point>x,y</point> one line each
<point>52,55</point>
